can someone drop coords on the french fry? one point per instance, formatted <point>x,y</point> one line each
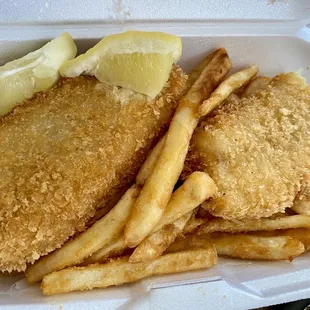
<point>120,271</point>
<point>256,85</point>
<point>189,242</point>
<point>197,188</point>
<point>115,248</point>
<point>100,213</point>
<point>204,214</point>
<point>257,248</point>
<point>155,244</point>
<point>192,224</point>
<point>302,234</point>
<point>155,194</point>
<point>227,87</point>
<point>243,246</point>
<point>87,243</point>
<point>263,224</point>
<point>196,72</point>
<point>106,208</point>
<point>149,164</point>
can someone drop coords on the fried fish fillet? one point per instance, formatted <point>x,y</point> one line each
<point>256,150</point>
<point>64,151</point>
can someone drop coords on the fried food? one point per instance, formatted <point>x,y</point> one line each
<point>120,271</point>
<point>257,248</point>
<point>255,86</point>
<point>67,150</point>
<point>301,204</point>
<point>150,162</point>
<point>243,246</point>
<point>193,224</point>
<point>263,224</point>
<point>101,234</point>
<point>116,248</point>
<point>197,188</point>
<point>156,192</point>
<point>155,244</point>
<point>302,234</point>
<point>257,151</point>
<point>226,88</point>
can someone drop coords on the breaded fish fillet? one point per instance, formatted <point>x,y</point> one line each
<point>67,149</point>
<point>257,150</point>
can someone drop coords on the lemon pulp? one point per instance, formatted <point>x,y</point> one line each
<point>143,73</point>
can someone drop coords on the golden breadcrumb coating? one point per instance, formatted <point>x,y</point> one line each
<point>256,150</point>
<point>66,150</point>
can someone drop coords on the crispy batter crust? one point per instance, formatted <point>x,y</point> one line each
<point>64,151</point>
<point>256,150</point>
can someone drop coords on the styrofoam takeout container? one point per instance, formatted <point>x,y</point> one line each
<point>271,33</point>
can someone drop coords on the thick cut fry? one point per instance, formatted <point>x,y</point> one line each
<point>197,188</point>
<point>107,207</point>
<point>189,242</point>
<point>228,86</point>
<point>87,243</point>
<point>115,248</point>
<point>258,248</point>
<point>256,85</point>
<point>121,271</point>
<point>243,246</point>
<point>222,225</point>
<point>157,190</point>
<point>196,72</point>
<point>150,162</point>
<point>100,213</point>
<point>155,244</point>
<point>204,214</point>
<point>302,234</point>
<point>192,225</point>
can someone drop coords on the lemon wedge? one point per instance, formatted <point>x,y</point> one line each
<point>37,71</point>
<point>137,60</point>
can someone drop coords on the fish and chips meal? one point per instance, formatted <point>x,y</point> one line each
<point>116,165</point>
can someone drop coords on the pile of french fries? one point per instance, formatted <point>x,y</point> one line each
<point>154,229</point>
